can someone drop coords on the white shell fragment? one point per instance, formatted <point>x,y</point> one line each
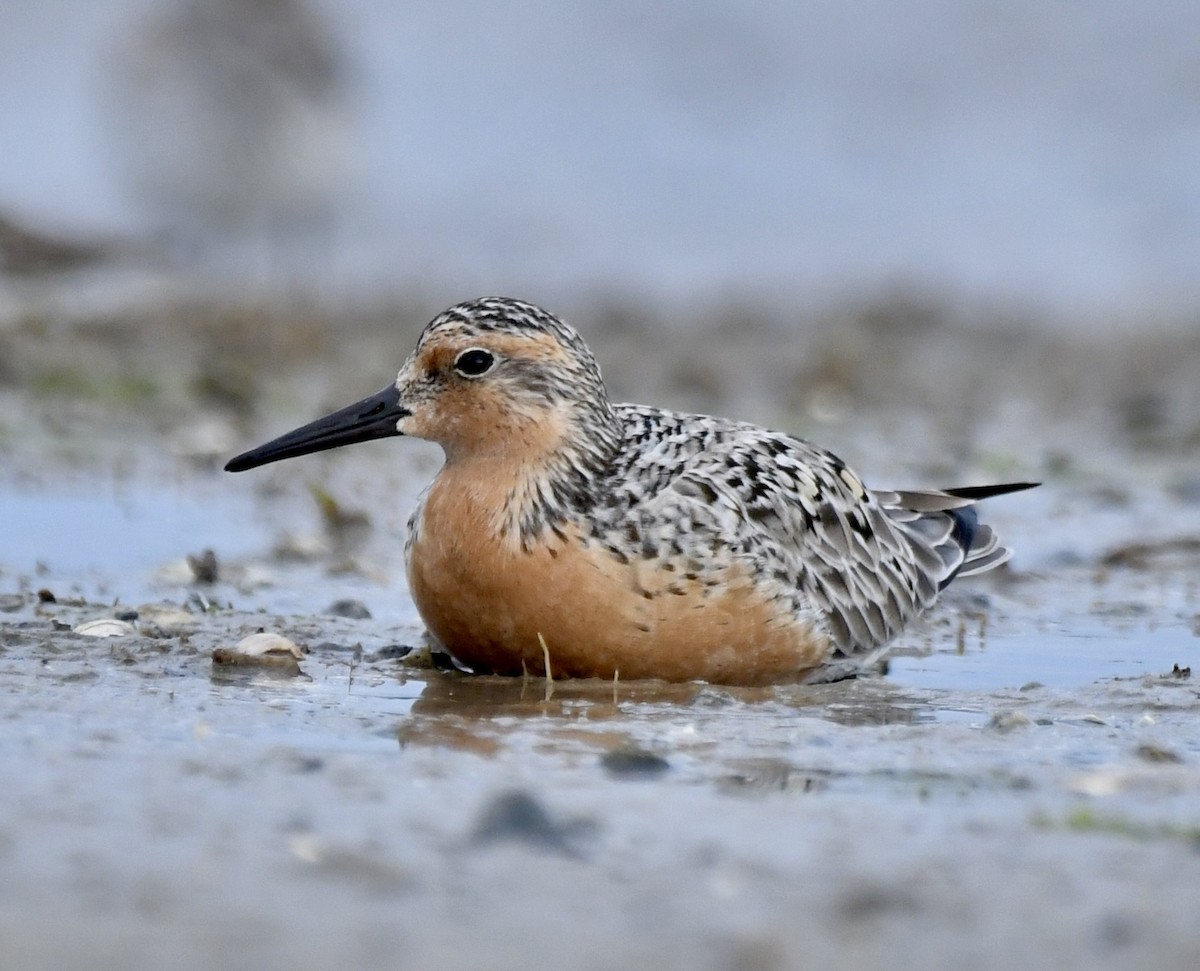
<point>264,642</point>
<point>262,650</point>
<point>105,627</point>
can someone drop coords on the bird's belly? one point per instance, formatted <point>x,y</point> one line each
<point>493,607</point>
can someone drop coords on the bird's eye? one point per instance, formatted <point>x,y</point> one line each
<point>474,362</point>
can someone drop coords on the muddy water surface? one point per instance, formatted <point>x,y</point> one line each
<point>1021,789</point>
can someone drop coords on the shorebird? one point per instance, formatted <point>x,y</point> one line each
<point>569,536</point>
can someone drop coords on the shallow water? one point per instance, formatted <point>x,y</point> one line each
<point>92,540</point>
<point>1021,789</point>
<point>1054,658</point>
<point>129,543</point>
<point>179,812</point>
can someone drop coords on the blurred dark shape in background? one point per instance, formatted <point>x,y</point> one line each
<point>25,251</point>
<point>787,160</point>
<point>228,124</point>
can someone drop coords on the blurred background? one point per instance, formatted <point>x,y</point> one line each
<point>951,242</point>
<point>954,242</point>
<point>1043,155</point>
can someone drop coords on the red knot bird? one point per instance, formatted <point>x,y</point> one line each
<point>617,540</point>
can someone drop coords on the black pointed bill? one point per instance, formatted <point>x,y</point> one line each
<point>373,417</point>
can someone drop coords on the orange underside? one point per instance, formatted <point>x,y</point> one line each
<point>599,618</point>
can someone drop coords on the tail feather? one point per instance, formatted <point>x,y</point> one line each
<point>981,564</point>
<point>975,493</point>
<point>957,551</point>
<point>945,523</point>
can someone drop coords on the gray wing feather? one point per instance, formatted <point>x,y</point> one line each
<point>862,563</point>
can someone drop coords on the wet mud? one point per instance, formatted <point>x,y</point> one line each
<point>1020,789</point>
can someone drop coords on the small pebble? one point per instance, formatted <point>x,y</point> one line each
<point>634,763</point>
<point>518,817</point>
<point>391,652</point>
<point>1156,753</point>
<point>1007,721</point>
<point>333,647</point>
<point>353,609</point>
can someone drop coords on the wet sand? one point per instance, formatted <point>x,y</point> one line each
<point>1020,790</point>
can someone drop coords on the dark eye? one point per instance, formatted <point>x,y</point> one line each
<point>474,362</point>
